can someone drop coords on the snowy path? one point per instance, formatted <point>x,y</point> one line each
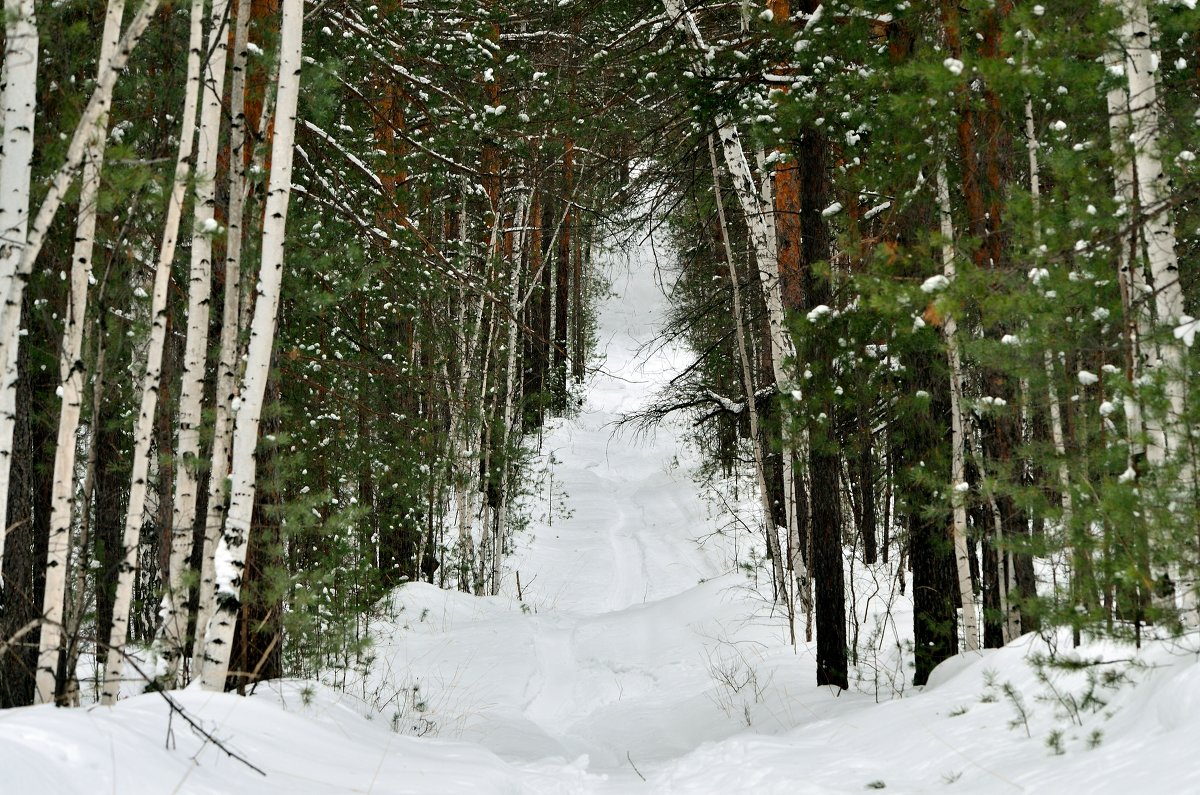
<point>625,607</point>
<point>636,516</point>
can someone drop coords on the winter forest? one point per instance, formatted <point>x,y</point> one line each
<point>599,396</point>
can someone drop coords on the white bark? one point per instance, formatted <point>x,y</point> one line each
<point>1134,127</point>
<point>1153,188</point>
<point>511,385</point>
<point>958,476</point>
<point>71,372</point>
<point>483,433</point>
<point>761,228</point>
<point>463,435</point>
<point>171,636</point>
<point>14,285</point>
<point>231,551</point>
<point>1157,245</point>
<point>144,429</point>
<point>747,371</point>
<point>1056,424</point>
<point>18,106</point>
<point>227,367</point>
<point>1133,298</point>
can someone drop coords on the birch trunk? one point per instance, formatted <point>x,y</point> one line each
<point>787,454</point>
<point>483,433</point>
<point>1057,436</point>
<point>71,372</point>
<point>230,324</point>
<point>14,276</point>
<point>463,431</point>
<point>760,470</point>
<point>231,551</point>
<point>1133,122</point>
<point>77,594</point>
<point>1157,244</point>
<point>1056,423</point>
<point>144,430</point>
<point>171,637</point>
<point>1129,275</point>
<point>510,385</point>
<point>762,240</point>
<point>18,106</point>
<point>958,475</point>
<point>1154,202</point>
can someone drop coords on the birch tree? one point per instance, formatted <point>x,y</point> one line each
<point>1152,195</point>
<point>1151,268</point>
<point>763,243</point>
<point>231,551</point>
<point>227,360</point>
<point>756,439</point>
<point>60,183</point>
<point>958,476</point>
<point>71,377</point>
<point>152,376</point>
<point>18,104</point>
<point>187,447</point>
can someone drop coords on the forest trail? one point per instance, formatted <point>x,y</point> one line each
<point>629,591</point>
<point>633,512</point>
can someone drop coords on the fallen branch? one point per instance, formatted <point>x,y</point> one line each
<point>178,709</point>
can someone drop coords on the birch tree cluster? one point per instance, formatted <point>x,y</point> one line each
<point>290,290</point>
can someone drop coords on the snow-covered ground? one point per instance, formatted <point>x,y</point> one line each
<point>638,658</point>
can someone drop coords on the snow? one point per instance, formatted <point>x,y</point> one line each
<point>876,210</point>
<point>935,284</point>
<point>640,658</point>
<point>818,312</point>
<point>1186,330</point>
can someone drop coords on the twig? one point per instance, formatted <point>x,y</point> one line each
<point>635,769</point>
<point>20,633</point>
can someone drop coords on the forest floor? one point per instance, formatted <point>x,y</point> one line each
<point>641,653</point>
